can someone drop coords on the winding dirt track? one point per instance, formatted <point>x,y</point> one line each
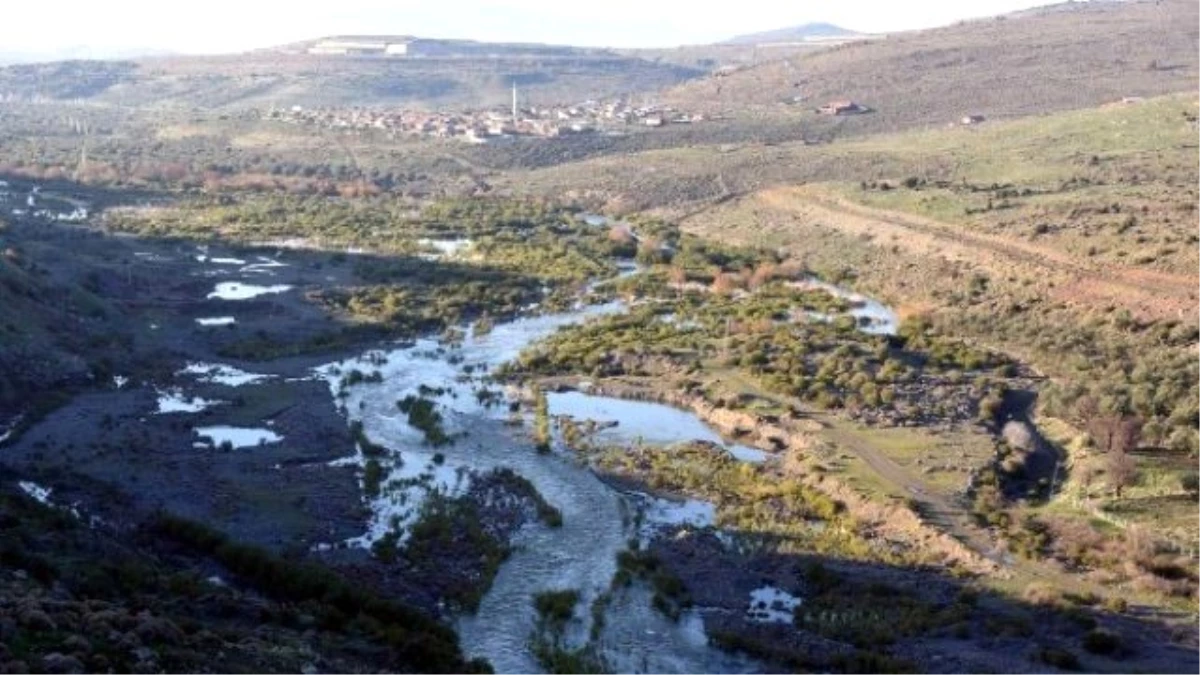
<point>1145,293</point>
<point>939,509</point>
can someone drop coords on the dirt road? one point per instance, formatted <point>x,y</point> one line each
<point>1145,293</point>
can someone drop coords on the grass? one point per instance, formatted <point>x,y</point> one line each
<point>556,608</point>
<point>1113,185</point>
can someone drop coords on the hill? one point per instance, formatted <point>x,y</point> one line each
<point>336,72</point>
<point>802,33</point>
<point>1009,66</point>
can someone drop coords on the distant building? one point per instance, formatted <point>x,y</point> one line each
<point>843,108</point>
<point>653,121</point>
<point>351,47</point>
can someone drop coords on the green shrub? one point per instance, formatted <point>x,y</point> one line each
<point>1102,642</point>
<point>1059,658</point>
<point>415,637</point>
<point>1190,482</point>
<point>555,608</point>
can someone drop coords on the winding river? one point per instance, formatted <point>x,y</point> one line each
<point>597,519</point>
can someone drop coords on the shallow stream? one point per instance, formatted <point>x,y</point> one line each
<point>598,521</point>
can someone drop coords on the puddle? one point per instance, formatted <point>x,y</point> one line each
<point>264,264</point>
<point>643,421</point>
<point>446,248</point>
<point>220,374</point>
<point>175,402</point>
<point>239,437</point>
<point>234,290</point>
<point>872,316</point>
<point>747,454</point>
<point>7,430</point>
<point>690,512</point>
<point>77,215</point>
<point>772,605</point>
<point>217,321</point>
<point>42,494</point>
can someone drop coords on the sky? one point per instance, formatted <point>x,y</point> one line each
<point>213,26</point>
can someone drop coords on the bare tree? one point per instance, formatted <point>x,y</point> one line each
<point>1110,431</point>
<point>724,283</point>
<point>1122,470</point>
<point>1117,436</point>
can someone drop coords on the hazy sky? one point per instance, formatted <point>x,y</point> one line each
<point>232,25</point>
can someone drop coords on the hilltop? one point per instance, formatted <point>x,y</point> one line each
<point>402,46</point>
<point>349,71</point>
<point>1007,66</point>
<point>802,33</point>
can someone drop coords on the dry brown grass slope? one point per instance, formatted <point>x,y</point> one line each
<point>1072,57</point>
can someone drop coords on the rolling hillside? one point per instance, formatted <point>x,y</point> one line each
<point>477,75</point>
<point>1068,57</point>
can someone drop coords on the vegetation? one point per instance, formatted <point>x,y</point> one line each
<point>670,595</point>
<point>541,421</point>
<point>417,638</point>
<point>876,615</point>
<point>423,415</point>
<point>769,337</point>
<point>556,658</point>
<point>153,583</point>
<point>556,608</point>
<point>450,524</point>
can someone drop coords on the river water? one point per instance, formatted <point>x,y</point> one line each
<point>598,521</point>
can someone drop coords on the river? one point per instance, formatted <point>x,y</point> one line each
<point>598,520</point>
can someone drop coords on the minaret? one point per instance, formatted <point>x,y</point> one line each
<point>514,103</point>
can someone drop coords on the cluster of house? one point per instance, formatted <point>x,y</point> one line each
<point>837,108</point>
<point>484,126</point>
<point>847,107</point>
<point>394,46</point>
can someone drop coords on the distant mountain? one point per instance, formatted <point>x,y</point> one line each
<point>804,33</point>
<point>79,53</point>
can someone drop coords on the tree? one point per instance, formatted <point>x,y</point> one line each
<point>724,283</point>
<point>1190,482</point>
<point>1111,432</point>
<point>1122,470</point>
<point>764,273</point>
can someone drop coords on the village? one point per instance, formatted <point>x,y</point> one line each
<point>490,125</point>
